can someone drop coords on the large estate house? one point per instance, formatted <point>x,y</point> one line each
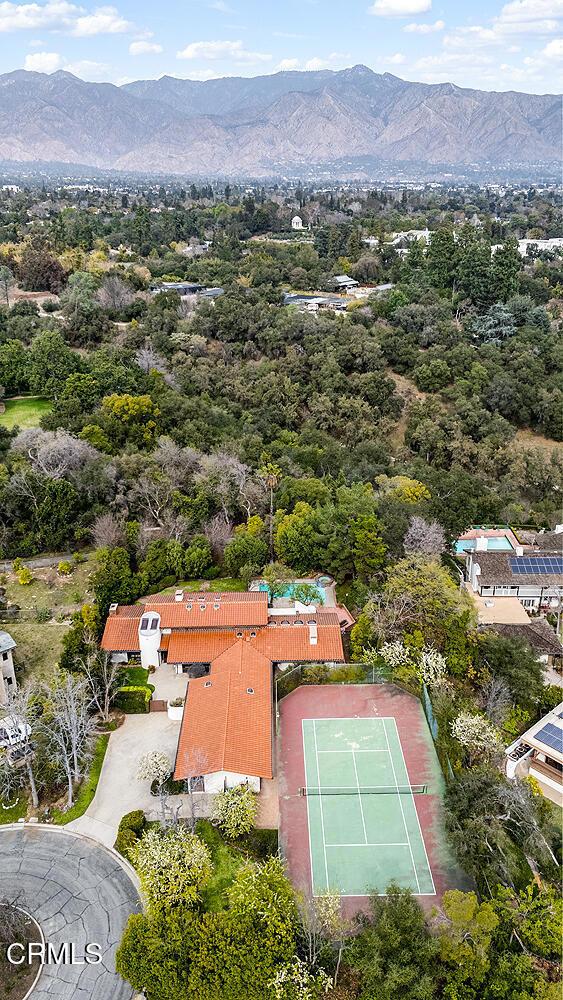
<point>535,578</point>
<point>229,644</point>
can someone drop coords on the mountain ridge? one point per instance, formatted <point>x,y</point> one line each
<point>249,126</point>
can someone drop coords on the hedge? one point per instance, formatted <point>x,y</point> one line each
<point>134,699</point>
<point>129,831</point>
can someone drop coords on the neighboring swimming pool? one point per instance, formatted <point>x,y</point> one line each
<point>499,544</point>
<point>290,590</point>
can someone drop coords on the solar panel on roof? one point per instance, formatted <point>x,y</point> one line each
<point>525,565</point>
<point>551,736</point>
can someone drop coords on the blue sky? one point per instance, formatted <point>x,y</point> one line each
<point>483,43</point>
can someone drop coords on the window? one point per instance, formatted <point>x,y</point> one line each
<point>4,656</point>
<point>154,623</point>
<point>9,680</point>
<point>144,624</point>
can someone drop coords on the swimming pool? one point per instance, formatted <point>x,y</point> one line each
<point>290,590</point>
<point>497,544</point>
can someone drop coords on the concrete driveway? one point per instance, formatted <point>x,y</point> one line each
<point>118,790</point>
<point>79,893</point>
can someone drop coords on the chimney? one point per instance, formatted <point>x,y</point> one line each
<point>312,635</point>
<point>519,550</point>
<point>481,544</point>
<point>179,595</point>
<point>112,609</point>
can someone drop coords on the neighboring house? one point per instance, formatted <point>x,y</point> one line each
<point>411,234</point>
<point>535,578</point>
<point>539,635</point>
<point>182,287</point>
<point>314,303</point>
<point>500,539</point>
<point>297,222</point>
<point>229,644</point>
<point>7,673</point>
<point>538,754</point>
<point>342,283</point>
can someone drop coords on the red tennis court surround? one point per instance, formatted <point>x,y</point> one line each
<point>360,701</point>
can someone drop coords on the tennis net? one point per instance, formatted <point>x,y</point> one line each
<point>365,790</point>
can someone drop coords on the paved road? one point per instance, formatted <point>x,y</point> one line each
<point>78,892</point>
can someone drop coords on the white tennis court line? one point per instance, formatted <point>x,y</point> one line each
<point>386,843</point>
<point>401,805</point>
<point>321,805</point>
<point>308,817</point>
<point>359,796</point>
<point>355,750</point>
<point>416,814</point>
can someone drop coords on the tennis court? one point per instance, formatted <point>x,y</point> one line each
<point>364,829</point>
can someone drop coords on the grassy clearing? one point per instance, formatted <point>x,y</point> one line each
<point>39,648</point>
<point>48,590</point>
<point>88,787</point>
<point>226,862</point>
<point>134,676</point>
<point>12,812</point>
<point>24,412</point>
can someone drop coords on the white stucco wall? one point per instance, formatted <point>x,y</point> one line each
<point>219,780</point>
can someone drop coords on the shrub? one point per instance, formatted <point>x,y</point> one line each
<point>133,699</point>
<point>64,568</point>
<point>43,615</point>
<point>348,673</point>
<point>25,576</point>
<point>129,831</point>
<point>124,841</point>
<point>317,674</point>
<point>50,306</point>
<point>172,866</point>
<point>234,811</point>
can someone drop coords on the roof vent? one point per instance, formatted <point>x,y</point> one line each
<point>207,684</point>
<point>216,607</point>
<point>250,690</point>
<point>178,595</point>
<point>313,635</point>
<point>253,635</point>
<point>298,621</point>
<point>519,550</point>
<point>112,609</point>
<point>202,607</point>
<point>239,635</point>
<point>189,607</point>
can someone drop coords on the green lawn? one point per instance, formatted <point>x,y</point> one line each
<point>12,813</point>
<point>88,787</point>
<point>24,412</point>
<point>134,677</point>
<point>226,861</point>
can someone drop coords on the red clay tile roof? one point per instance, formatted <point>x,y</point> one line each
<point>225,726</point>
<point>121,634</point>
<point>198,647</point>
<point>210,610</point>
<point>225,596</point>
<point>282,643</point>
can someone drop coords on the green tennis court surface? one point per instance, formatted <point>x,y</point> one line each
<point>364,830</point>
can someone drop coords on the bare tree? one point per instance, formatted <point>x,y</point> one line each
<point>390,616</point>
<point>497,700</point>
<point>193,764</point>
<point>23,712</point>
<point>323,927</point>
<point>6,281</point>
<point>426,537</point>
<point>102,677</point>
<point>231,481</point>
<point>114,293</point>
<point>107,531</point>
<point>176,462</point>
<point>153,494</point>
<point>218,533</point>
<point>54,453</point>
<point>155,766</point>
<point>69,728</point>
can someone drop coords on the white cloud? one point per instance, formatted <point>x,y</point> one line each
<point>221,6</point>
<point>526,13</point>
<point>86,69</point>
<point>286,64</point>
<point>36,43</point>
<point>144,48</point>
<point>424,29</point>
<point>222,50</point>
<point>395,60</point>
<point>104,21</point>
<point>59,15</point>
<point>399,8</point>
<point>554,49</point>
<point>43,62</point>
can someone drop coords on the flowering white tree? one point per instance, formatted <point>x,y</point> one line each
<point>396,654</point>
<point>172,866</point>
<point>295,982</point>
<point>425,537</point>
<point>433,668</point>
<point>155,766</point>
<point>477,735</point>
<point>234,811</point>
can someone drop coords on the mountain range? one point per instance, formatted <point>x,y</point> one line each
<point>260,126</point>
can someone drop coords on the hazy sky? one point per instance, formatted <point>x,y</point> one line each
<point>482,43</point>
